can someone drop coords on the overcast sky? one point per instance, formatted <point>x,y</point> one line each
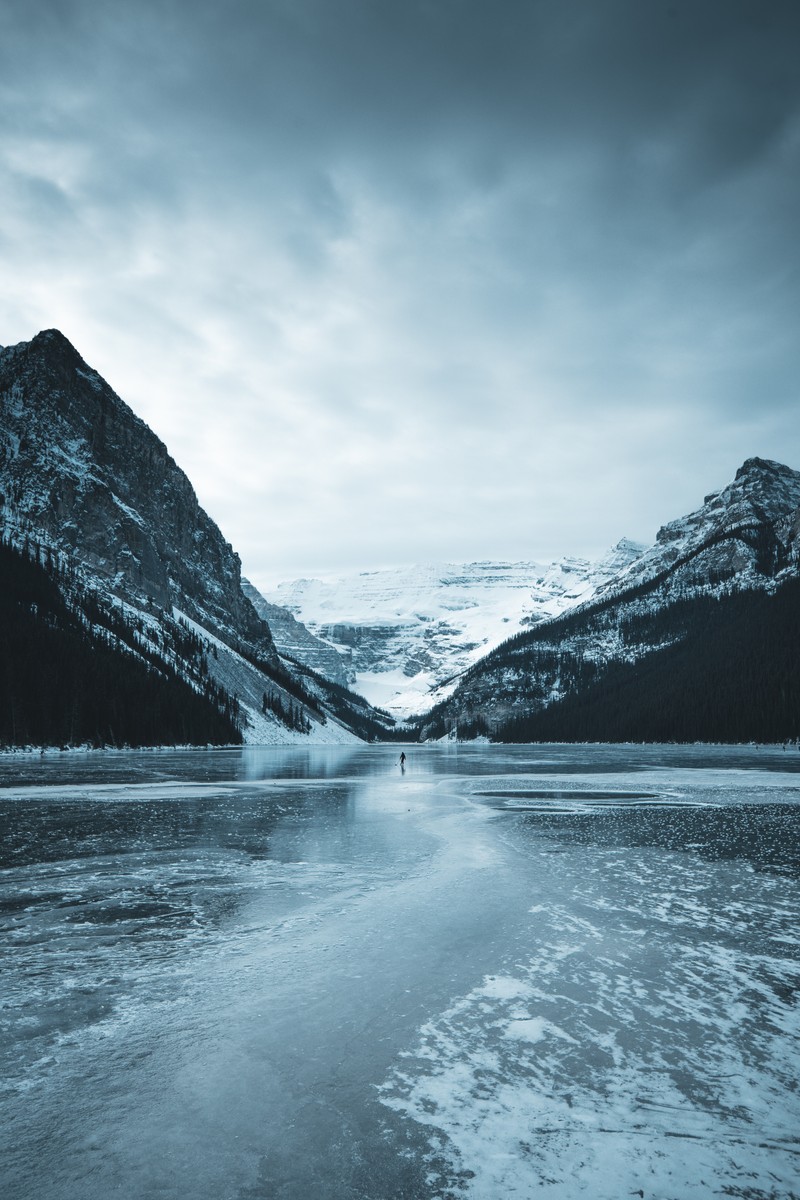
<point>419,280</point>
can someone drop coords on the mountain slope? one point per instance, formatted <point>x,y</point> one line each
<point>743,540</point>
<point>745,534</point>
<point>83,480</point>
<point>694,688</point>
<point>80,469</point>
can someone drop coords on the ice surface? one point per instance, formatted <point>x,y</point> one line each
<point>630,1055</point>
<point>302,973</point>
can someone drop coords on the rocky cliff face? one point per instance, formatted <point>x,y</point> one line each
<point>296,643</point>
<point>742,536</point>
<point>79,467</point>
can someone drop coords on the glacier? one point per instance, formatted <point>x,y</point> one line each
<point>405,634</point>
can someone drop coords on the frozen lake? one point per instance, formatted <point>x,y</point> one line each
<point>304,975</point>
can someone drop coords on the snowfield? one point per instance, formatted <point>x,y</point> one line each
<point>404,633</point>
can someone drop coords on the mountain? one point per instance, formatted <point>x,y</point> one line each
<point>90,493</point>
<point>124,618</point>
<point>695,639</point>
<point>404,633</point>
<point>730,673</point>
<point>746,535</point>
<point>294,642</point>
<point>73,671</point>
<point>82,470</point>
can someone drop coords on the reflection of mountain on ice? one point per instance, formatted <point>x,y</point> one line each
<point>406,631</point>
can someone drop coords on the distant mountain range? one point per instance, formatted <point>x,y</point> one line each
<point>124,618</point>
<point>92,498</point>
<point>411,638</point>
<point>404,635</point>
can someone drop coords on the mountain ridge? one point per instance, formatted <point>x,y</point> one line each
<point>73,475</point>
<point>764,494</point>
<point>94,499</point>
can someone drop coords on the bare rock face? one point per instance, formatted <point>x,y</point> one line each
<point>296,643</point>
<point>80,469</point>
<point>740,537</point>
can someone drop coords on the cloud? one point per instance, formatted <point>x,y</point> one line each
<point>421,281</point>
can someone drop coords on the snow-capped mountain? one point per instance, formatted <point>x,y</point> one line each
<point>80,468</point>
<point>402,633</point>
<point>87,485</point>
<point>743,535</point>
<point>715,569</point>
<point>111,565</point>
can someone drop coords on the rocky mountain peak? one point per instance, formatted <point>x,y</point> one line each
<point>619,557</point>
<point>764,477</point>
<point>742,534</point>
<point>80,470</point>
<point>49,354</point>
<point>53,340</point>
<point>762,491</point>
<point>768,490</point>
<point>753,468</point>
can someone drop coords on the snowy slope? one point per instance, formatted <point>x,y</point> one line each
<point>406,631</point>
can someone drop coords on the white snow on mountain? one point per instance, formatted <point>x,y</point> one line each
<point>745,537</point>
<point>405,631</point>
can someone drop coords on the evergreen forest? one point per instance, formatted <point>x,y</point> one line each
<point>74,672</point>
<point>731,673</point>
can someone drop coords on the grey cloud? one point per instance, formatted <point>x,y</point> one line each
<point>544,251</point>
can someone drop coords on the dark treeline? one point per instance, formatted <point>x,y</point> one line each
<point>760,538</point>
<point>290,714</point>
<point>82,675</point>
<point>731,675</point>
